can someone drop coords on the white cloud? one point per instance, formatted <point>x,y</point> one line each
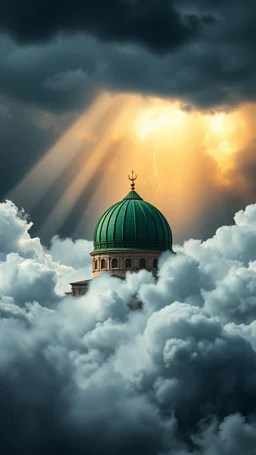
<point>88,375</point>
<point>74,253</point>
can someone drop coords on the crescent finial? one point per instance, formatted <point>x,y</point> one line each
<point>132,179</point>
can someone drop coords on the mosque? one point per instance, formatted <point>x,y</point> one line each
<point>130,236</point>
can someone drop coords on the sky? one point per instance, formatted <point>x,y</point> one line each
<point>88,92</point>
<point>91,90</point>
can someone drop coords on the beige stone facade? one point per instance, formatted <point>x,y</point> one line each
<point>122,237</point>
<point>119,262</point>
<point>78,288</point>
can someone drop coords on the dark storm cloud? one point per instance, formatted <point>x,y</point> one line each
<point>216,69</point>
<point>52,68</point>
<point>49,78</point>
<point>22,143</point>
<point>66,73</point>
<point>156,24</point>
<point>86,375</point>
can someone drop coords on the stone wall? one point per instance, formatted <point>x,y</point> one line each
<point>119,262</point>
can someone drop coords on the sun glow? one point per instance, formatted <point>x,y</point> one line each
<point>225,134</point>
<point>155,124</point>
<point>170,148</point>
<point>159,120</point>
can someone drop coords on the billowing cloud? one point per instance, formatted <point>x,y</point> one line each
<point>120,51</point>
<point>87,375</point>
<point>26,264</point>
<point>158,25</point>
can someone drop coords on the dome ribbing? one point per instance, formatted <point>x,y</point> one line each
<point>132,224</point>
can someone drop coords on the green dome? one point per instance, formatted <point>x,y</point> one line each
<point>132,224</point>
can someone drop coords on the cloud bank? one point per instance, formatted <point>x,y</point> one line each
<point>118,21</point>
<point>57,58</point>
<point>87,375</point>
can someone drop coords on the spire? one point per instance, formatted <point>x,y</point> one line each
<point>132,178</point>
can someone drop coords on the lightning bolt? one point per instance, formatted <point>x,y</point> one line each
<point>155,170</point>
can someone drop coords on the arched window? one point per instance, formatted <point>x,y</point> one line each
<point>155,263</point>
<point>96,264</point>
<point>103,264</point>
<point>128,263</point>
<point>114,263</point>
<point>142,263</point>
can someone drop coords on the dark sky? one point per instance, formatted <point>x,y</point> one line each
<point>56,57</point>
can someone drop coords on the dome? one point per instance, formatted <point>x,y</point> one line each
<point>132,224</point>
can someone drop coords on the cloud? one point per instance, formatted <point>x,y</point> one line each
<point>26,264</point>
<point>233,436</point>
<point>159,25</point>
<point>68,252</point>
<point>86,374</point>
<point>154,48</point>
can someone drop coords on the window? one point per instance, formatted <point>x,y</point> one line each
<point>114,263</point>
<point>95,264</point>
<point>142,263</point>
<point>154,263</point>
<point>103,264</point>
<point>128,263</point>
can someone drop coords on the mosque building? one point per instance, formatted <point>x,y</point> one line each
<point>130,236</point>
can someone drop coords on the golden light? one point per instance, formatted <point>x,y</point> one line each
<point>167,146</point>
<point>225,134</point>
<point>218,122</point>
<point>161,120</point>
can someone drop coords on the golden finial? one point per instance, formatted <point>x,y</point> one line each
<point>132,178</point>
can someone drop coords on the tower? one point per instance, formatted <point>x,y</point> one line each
<point>129,236</point>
